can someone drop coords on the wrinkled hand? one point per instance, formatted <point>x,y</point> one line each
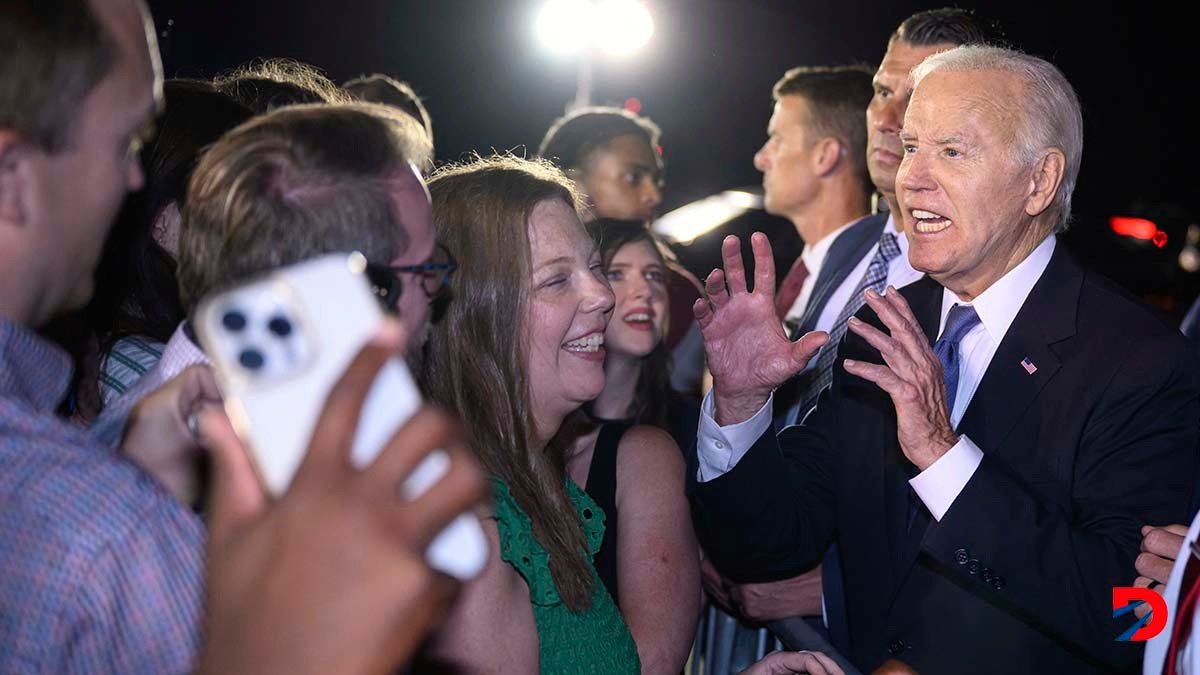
<point>786,663</point>
<point>157,437</point>
<point>331,577</point>
<point>1160,547</point>
<point>748,353</point>
<point>911,374</point>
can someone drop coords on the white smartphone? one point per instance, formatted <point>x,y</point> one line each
<point>279,343</point>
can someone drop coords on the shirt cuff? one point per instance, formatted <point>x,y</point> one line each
<point>938,486</point>
<point>719,448</point>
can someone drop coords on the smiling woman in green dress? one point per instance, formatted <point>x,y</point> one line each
<point>519,350</point>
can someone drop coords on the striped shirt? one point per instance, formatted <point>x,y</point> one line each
<point>101,570</point>
<point>129,359</point>
<point>179,353</point>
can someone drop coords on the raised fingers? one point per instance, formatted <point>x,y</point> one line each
<point>886,345</point>
<point>715,288</point>
<point>897,317</point>
<point>731,258</point>
<point>764,265</point>
<point>879,374</point>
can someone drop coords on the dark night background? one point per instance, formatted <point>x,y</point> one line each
<point>706,78</point>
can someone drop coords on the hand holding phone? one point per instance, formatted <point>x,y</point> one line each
<point>336,549</point>
<point>279,343</point>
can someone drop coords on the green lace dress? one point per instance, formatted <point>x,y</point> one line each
<point>596,641</point>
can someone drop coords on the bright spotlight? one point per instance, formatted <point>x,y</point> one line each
<point>565,26</point>
<point>617,27</point>
<point>622,26</point>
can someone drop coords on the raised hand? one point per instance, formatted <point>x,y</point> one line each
<point>911,374</point>
<point>748,353</point>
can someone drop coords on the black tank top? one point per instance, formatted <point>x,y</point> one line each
<point>602,488</point>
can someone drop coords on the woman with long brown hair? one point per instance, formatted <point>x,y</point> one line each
<point>519,350</point>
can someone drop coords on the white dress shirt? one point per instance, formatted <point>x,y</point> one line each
<point>900,274</point>
<point>814,258</point>
<point>1156,649</point>
<point>720,448</point>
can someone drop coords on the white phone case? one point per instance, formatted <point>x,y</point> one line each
<point>280,342</point>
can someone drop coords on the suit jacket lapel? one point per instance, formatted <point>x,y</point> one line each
<point>850,246</point>
<point>1007,389</point>
<point>1047,317</point>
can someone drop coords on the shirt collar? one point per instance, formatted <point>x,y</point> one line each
<point>33,370</point>
<point>814,256</point>
<point>998,305</point>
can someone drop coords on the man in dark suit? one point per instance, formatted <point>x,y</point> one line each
<point>995,434</point>
<point>871,253</point>
<point>815,175</point>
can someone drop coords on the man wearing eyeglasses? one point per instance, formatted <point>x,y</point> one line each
<point>288,186</point>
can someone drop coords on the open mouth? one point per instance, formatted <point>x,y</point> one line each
<point>588,344</point>
<point>928,222</point>
<point>640,320</point>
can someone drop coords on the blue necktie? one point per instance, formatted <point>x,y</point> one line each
<point>875,278</point>
<point>959,322</point>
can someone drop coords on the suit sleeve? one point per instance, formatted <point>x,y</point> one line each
<point>1057,561</point>
<point>772,515</point>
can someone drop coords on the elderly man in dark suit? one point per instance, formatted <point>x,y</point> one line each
<point>995,434</point>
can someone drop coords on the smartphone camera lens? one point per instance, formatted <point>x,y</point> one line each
<point>280,326</point>
<point>251,359</point>
<point>234,321</point>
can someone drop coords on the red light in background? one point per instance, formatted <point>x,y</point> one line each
<point>633,105</point>
<point>1138,228</point>
<point>1160,239</point>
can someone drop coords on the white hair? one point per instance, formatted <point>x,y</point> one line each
<point>1052,116</point>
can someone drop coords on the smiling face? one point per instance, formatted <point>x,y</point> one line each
<point>639,283</point>
<point>570,303</point>
<point>885,113</point>
<point>964,192</point>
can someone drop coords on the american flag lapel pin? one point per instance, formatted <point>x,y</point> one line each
<point>1028,365</point>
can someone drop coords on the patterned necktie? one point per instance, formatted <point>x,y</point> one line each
<point>959,322</point>
<point>875,279</point>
